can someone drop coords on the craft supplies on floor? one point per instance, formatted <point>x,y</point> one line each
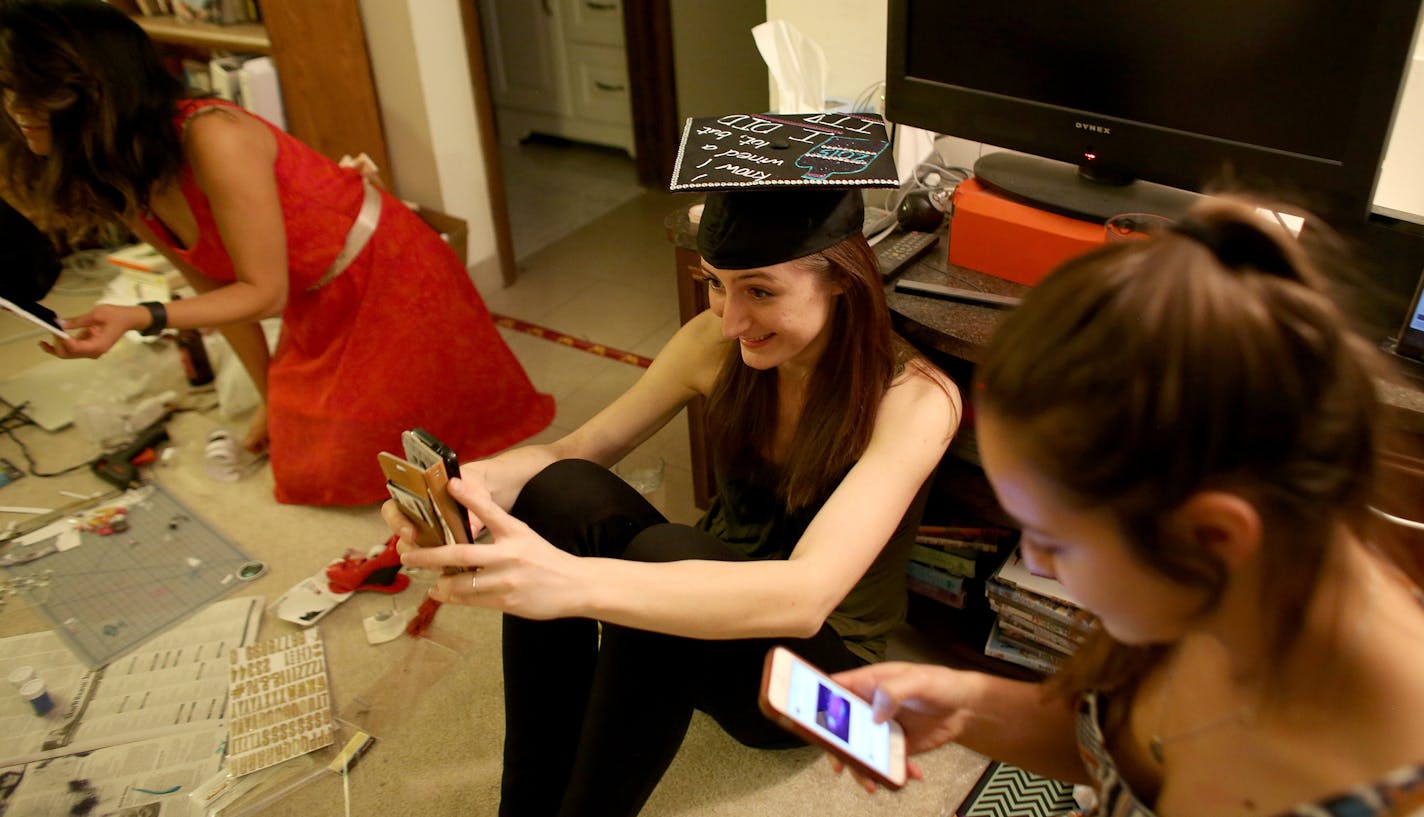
<point>114,588</point>
<point>175,682</point>
<point>279,702</point>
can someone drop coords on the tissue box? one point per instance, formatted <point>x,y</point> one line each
<point>997,236</point>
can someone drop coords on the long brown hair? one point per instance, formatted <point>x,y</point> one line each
<point>842,397</point>
<point>1210,357</point>
<point>111,104</point>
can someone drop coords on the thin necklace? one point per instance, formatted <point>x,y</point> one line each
<point>1157,744</point>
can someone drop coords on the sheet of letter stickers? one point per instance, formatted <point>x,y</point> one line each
<point>279,703</point>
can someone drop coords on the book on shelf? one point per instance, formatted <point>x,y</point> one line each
<point>217,12</point>
<point>1042,605</point>
<point>1038,636</point>
<point>929,574</point>
<point>259,91</point>
<point>1074,631</point>
<point>1006,648</point>
<point>953,599</point>
<point>1016,573</point>
<point>955,563</point>
<point>979,537</point>
<point>197,75</point>
<point>224,74</point>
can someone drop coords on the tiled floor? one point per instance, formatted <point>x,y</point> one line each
<point>555,186</point>
<point>604,273</point>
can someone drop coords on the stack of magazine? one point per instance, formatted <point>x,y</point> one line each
<point>1037,624</point>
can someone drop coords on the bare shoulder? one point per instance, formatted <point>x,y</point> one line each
<point>219,138</point>
<point>696,353</point>
<point>922,394</point>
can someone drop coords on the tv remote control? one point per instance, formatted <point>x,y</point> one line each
<point>956,293</point>
<point>899,250</point>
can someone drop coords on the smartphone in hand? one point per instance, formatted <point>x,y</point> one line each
<point>807,703</point>
<point>419,483</point>
<point>425,449</point>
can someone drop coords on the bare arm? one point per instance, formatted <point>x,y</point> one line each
<point>709,599</point>
<point>1007,720</point>
<point>247,340</point>
<point>232,157</point>
<point>682,370</point>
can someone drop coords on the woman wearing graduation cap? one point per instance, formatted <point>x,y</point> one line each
<point>825,428</point>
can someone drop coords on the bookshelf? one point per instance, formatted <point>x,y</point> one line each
<point>245,38</point>
<point>319,48</point>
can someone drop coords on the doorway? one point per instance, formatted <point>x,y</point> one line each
<point>647,34</point>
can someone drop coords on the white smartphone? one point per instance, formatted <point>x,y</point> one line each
<point>807,703</point>
<point>36,314</point>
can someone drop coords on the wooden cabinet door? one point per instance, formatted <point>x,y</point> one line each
<point>327,89</point>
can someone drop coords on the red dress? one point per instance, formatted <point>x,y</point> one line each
<point>399,339</point>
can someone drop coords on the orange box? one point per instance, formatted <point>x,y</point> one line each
<point>996,236</point>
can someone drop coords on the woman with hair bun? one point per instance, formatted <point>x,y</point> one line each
<point>1190,436</point>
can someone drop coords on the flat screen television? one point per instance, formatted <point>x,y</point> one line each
<point>1293,99</point>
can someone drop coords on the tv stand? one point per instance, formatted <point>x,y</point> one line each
<point>1058,187</point>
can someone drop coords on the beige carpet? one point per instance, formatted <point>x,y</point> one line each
<point>435,705</point>
<point>436,708</point>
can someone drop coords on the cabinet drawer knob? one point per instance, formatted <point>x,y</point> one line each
<point>601,6</point>
<point>603,86</point>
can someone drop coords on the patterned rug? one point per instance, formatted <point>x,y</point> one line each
<point>1008,791</point>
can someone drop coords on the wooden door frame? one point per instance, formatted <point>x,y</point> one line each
<point>652,78</point>
<point>647,27</point>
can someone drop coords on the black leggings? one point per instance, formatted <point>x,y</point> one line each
<point>591,724</point>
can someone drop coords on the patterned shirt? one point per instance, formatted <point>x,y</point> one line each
<point>1399,794</point>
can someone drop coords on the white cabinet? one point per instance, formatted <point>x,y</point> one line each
<point>524,66</point>
<point>559,67</point>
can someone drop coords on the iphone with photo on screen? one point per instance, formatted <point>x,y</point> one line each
<point>802,699</point>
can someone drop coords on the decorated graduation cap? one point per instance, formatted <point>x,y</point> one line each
<point>780,186</point>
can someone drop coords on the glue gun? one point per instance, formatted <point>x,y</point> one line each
<point>118,468</point>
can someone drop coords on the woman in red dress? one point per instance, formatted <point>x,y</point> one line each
<point>260,225</point>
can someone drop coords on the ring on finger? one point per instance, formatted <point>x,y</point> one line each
<point>473,579</point>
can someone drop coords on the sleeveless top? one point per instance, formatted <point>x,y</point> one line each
<point>748,515</point>
<point>1398,794</point>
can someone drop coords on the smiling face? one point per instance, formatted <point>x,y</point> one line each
<point>779,314</point>
<point>1084,549</point>
<point>32,121</point>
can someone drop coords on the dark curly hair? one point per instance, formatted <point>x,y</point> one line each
<point>110,101</point>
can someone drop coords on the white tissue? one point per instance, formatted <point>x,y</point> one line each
<point>912,146</point>
<point>797,65</point>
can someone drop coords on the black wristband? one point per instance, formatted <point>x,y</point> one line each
<point>159,314</point>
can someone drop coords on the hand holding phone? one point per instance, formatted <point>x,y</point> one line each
<point>37,314</point>
<point>418,484</point>
<point>809,704</point>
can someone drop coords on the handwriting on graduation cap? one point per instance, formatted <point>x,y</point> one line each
<point>774,150</point>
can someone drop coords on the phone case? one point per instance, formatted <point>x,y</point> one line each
<point>425,449</point>
<point>451,512</point>
<point>408,488</point>
<point>792,726</point>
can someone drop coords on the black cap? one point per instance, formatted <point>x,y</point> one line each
<point>780,186</point>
